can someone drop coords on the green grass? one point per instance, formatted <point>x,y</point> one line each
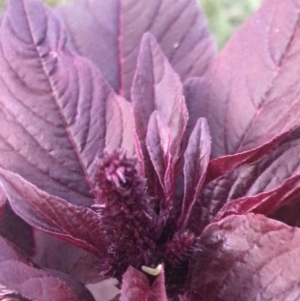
<point>224,16</point>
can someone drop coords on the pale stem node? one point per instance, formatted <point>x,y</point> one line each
<point>151,271</point>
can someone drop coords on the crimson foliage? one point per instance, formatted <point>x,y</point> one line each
<point>130,150</point>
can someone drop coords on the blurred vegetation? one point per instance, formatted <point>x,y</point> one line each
<point>224,16</point>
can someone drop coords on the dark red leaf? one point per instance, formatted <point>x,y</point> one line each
<point>196,158</point>
<point>137,287</point>
<point>47,251</point>
<point>261,187</point>
<point>17,274</point>
<point>159,113</point>
<point>119,121</point>
<point>14,229</point>
<point>264,203</point>
<point>38,285</point>
<point>57,111</point>
<point>9,295</point>
<point>253,85</point>
<point>289,214</point>
<point>2,202</point>
<point>116,298</point>
<point>109,34</point>
<point>105,290</point>
<point>50,253</point>
<point>220,166</point>
<point>76,224</point>
<point>158,290</point>
<point>247,257</point>
<point>157,137</point>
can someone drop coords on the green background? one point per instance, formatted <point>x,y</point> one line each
<point>224,16</point>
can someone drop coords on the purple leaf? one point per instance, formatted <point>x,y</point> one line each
<point>136,287</point>
<point>262,187</point>
<point>157,142</point>
<point>50,253</point>
<point>196,158</point>
<point>20,276</point>
<point>158,290</point>
<point>159,113</point>
<point>265,203</point>
<point>56,109</point>
<point>10,252</point>
<point>119,116</point>
<point>222,165</point>
<point>75,224</point>
<point>14,229</point>
<point>253,85</point>
<point>103,32</point>
<point>247,258</point>
<point>2,202</point>
<point>116,298</point>
<point>105,290</point>
<point>47,251</point>
<point>9,295</point>
<point>289,214</point>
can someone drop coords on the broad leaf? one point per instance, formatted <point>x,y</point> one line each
<point>289,214</point>
<point>14,229</point>
<point>56,108</point>
<point>105,290</point>
<point>159,113</point>
<point>246,258</point>
<point>109,34</point>
<point>137,287</point>
<point>222,165</point>
<point>50,253</point>
<point>253,85</point>
<point>265,203</point>
<point>9,295</point>
<point>261,187</point>
<point>20,276</point>
<point>75,224</point>
<point>47,251</point>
